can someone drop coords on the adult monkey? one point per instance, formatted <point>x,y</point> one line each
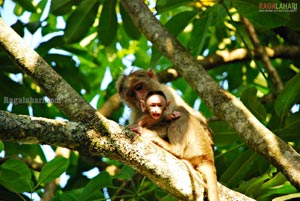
<point>187,137</point>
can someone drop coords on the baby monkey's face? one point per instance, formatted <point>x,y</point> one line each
<point>156,105</point>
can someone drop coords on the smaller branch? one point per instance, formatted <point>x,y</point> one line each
<point>260,51</point>
<point>50,190</point>
<point>112,104</point>
<point>42,131</point>
<point>224,57</point>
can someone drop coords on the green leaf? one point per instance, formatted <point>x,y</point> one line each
<point>278,179</point>
<point>211,17</point>
<point>27,4</point>
<point>250,100</point>
<point>293,22</point>
<point>293,121</point>
<point>238,168</point>
<point>95,186</point>
<point>223,133</point>
<point>125,173</point>
<point>33,26</point>
<point>234,77</point>
<point>288,97</point>
<point>165,5</point>
<point>61,7</point>
<point>291,128</point>
<point>267,186</point>
<point>16,176</point>
<point>70,195</point>
<point>53,169</point>
<point>281,189</point>
<point>250,10</point>
<point>108,24</point>
<point>81,20</point>
<point>1,146</point>
<point>251,187</point>
<point>175,25</point>
<point>178,23</point>
<point>129,26</point>
<point>168,198</point>
<point>199,34</point>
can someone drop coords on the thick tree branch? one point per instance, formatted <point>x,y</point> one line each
<point>223,104</point>
<point>66,98</point>
<point>128,148</point>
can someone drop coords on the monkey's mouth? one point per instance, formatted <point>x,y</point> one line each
<point>155,115</point>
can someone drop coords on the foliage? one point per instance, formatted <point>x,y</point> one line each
<point>91,42</point>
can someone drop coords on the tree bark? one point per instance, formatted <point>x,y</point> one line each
<point>157,164</point>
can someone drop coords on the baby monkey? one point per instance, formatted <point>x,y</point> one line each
<point>156,110</point>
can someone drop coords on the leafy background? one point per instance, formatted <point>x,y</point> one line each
<point>91,42</point>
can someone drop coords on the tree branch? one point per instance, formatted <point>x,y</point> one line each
<point>260,51</point>
<point>241,54</point>
<point>66,98</point>
<point>225,57</point>
<point>126,147</point>
<point>223,104</point>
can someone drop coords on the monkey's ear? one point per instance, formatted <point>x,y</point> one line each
<point>120,84</point>
<point>151,74</point>
<point>168,104</point>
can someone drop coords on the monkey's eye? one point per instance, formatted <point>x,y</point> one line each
<point>139,87</point>
<point>131,94</point>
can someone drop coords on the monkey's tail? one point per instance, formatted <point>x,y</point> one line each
<point>196,178</point>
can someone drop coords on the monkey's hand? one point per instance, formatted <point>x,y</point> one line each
<point>135,128</point>
<point>174,115</point>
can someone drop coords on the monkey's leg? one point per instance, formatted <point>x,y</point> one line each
<point>167,146</point>
<point>208,170</point>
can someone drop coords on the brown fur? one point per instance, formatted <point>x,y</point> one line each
<point>188,137</point>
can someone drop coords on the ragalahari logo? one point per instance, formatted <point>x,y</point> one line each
<point>277,7</point>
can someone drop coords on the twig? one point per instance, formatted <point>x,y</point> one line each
<point>263,55</point>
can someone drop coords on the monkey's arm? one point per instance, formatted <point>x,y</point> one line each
<point>144,121</point>
<point>174,115</point>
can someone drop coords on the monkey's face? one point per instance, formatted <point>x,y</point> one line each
<point>156,105</point>
<point>134,87</point>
